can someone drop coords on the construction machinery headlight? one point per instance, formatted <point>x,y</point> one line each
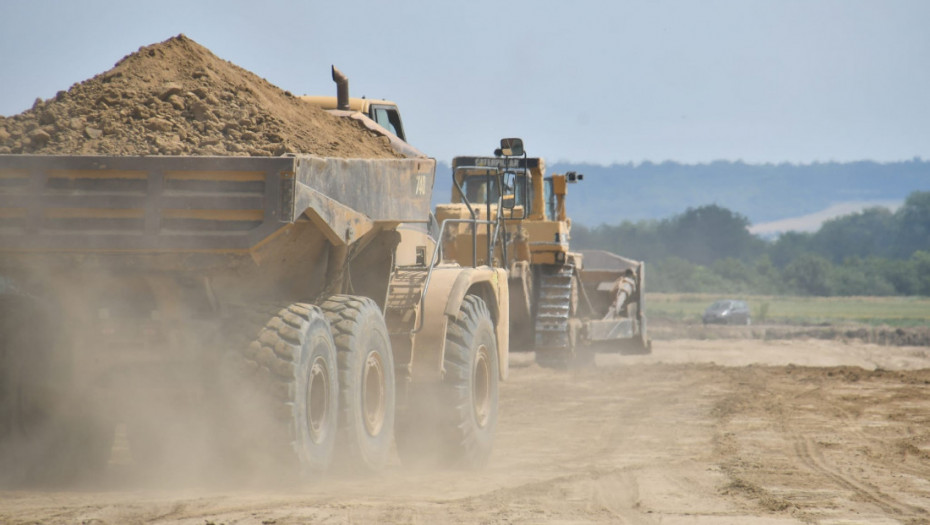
<point>574,176</point>
<point>560,257</point>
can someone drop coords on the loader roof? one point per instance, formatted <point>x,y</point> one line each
<point>355,104</point>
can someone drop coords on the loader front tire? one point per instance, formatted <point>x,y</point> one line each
<point>470,385</point>
<point>366,382</point>
<point>453,423</point>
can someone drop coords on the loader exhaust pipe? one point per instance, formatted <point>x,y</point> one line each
<point>342,89</point>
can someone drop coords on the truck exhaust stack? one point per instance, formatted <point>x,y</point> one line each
<point>342,89</point>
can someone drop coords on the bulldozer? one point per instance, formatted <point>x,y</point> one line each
<point>565,305</point>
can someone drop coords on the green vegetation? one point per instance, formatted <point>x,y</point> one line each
<point>710,250</point>
<point>892,311</point>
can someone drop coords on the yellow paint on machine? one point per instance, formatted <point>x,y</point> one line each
<point>230,176</point>
<point>98,174</point>
<point>93,213</point>
<point>13,174</point>
<point>111,213</point>
<point>214,215</point>
<point>12,213</point>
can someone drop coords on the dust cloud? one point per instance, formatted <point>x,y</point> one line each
<point>107,378</point>
<point>724,431</point>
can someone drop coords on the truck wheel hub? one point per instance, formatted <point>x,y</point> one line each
<point>318,392</point>
<point>482,387</point>
<point>373,393</point>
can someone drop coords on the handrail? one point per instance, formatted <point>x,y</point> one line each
<point>492,236</point>
<point>474,229</point>
<point>494,233</point>
<point>437,258</point>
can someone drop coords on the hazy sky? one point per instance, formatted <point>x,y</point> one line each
<point>582,81</point>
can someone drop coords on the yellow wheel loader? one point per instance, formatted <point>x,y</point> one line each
<point>564,305</point>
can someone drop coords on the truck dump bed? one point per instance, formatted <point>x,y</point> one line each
<point>184,204</point>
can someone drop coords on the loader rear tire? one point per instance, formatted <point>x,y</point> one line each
<point>294,373</point>
<point>366,383</point>
<point>455,424</point>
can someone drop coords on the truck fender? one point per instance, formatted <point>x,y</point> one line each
<point>447,289</point>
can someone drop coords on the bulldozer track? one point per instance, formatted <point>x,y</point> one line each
<point>553,331</point>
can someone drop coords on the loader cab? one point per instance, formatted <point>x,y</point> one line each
<point>384,112</point>
<point>388,117</point>
<point>481,189</point>
<point>510,187</point>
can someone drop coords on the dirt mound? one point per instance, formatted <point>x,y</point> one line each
<point>178,98</point>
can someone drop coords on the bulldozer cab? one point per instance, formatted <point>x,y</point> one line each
<point>511,187</point>
<point>554,301</point>
<point>473,224</point>
<point>484,186</point>
<point>482,189</point>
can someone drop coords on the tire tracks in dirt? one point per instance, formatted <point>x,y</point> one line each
<point>810,456</point>
<point>623,483</point>
<point>799,417</point>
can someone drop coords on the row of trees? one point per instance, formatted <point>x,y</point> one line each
<point>709,249</point>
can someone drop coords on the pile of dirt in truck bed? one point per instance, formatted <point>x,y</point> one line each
<point>178,98</point>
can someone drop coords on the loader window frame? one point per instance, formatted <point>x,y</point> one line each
<point>477,191</point>
<point>522,190</point>
<point>550,199</point>
<point>388,117</point>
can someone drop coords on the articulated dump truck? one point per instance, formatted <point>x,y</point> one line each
<point>290,307</point>
<point>564,305</point>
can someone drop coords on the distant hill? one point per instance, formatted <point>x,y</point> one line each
<point>763,193</point>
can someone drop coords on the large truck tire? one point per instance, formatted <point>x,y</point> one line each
<point>292,408</point>
<point>455,424</point>
<point>471,384</point>
<point>366,382</point>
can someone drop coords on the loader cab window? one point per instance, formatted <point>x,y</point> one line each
<point>550,199</point>
<point>522,191</point>
<point>476,189</point>
<point>388,117</point>
<point>520,195</point>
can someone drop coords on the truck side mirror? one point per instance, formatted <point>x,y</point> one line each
<point>512,147</point>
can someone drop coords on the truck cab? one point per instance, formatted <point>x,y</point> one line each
<point>384,112</point>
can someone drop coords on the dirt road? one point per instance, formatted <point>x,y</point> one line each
<point>715,432</point>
